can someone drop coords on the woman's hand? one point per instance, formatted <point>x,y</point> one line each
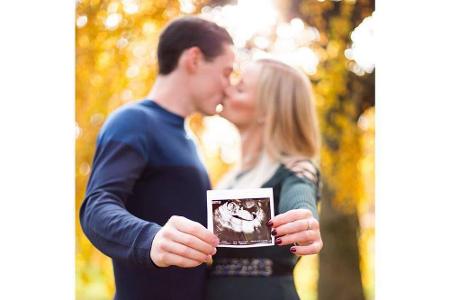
<point>297,227</point>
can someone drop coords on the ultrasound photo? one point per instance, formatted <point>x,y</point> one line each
<point>238,217</point>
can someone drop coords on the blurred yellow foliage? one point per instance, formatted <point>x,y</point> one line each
<point>106,78</point>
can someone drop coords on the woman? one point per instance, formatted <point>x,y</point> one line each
<point>273,109</point>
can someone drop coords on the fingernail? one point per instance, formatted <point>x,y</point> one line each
<point>293,250</point>
<point>270,223</point>
<point>209,259</point>
<point>274,232</point>
<point>215,251</point>
<point>278,241</point>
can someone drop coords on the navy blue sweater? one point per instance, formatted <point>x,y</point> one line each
<point>146,169</point>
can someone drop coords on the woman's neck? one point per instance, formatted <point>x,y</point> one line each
<point>252,145</point>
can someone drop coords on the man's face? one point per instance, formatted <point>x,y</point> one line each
<point>210,81</point>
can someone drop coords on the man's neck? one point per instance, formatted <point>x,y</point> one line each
<point>170,93</point>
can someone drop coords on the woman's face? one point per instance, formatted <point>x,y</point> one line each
<point>239,106</point>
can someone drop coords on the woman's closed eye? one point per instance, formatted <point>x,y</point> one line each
<point>240,87</point>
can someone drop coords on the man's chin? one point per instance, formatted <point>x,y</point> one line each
<point>209,113</point>
<point>216,110</point>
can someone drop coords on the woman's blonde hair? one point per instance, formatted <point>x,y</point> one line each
<point>285,98</point>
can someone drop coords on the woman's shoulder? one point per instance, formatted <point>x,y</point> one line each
<point>304,169</point>
<point>296,172</point>
<point>301,172</point>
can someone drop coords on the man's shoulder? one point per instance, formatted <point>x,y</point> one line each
<point>129,118</point>
<point>135,112</point>
<point>130,124</point>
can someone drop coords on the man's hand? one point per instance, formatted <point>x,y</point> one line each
<point>183,243</point>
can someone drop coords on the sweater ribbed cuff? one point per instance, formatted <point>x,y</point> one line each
<point>143,244</point>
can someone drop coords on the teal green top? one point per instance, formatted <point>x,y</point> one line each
<point>291,191</point>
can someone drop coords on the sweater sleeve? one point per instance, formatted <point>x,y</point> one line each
<point>118,164</point>
<point>297,193</point>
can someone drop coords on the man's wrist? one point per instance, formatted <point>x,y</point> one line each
<point>143,244</point>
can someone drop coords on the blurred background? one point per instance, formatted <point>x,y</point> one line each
<point>332,41</point>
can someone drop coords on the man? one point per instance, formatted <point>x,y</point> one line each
<point>146,171</point>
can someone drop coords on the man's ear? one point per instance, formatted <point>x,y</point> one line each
<point>191,59</point>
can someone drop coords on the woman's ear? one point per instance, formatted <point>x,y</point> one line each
<point>190,59</point>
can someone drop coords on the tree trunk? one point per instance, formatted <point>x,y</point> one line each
<point>340,276</point>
